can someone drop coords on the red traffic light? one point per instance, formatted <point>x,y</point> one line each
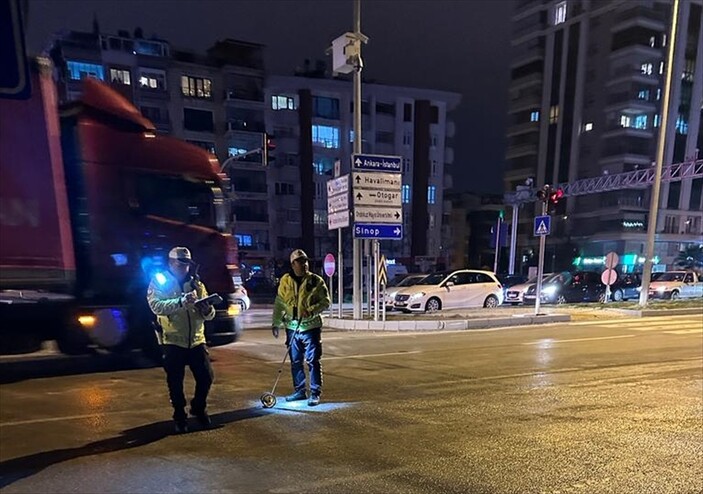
<point>556,195</point>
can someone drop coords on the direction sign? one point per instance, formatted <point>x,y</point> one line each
<point>379,231</point>
<point>337,220</point>
<point>339,185</point>
<point>542,225</point>
<point>377,162</point>
<point>338,203</point>
<point>371,214</point>
<point>376,197</point>
<point>376,180</point>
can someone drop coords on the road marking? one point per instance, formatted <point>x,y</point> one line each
<point>368,355</point>
<point>76,417</point>
<point>550,340</point>
<point>686,331</point>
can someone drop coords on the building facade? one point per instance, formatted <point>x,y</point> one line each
<point>586,100</point>
<point>311,119</point>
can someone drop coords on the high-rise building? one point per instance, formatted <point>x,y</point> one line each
<point>585,101</point>
<point>310,117</point>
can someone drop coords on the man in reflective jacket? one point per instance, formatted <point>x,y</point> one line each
<point>302,298</point>
<point>172,296</point>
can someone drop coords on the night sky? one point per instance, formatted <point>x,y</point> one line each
<point>453,45</point>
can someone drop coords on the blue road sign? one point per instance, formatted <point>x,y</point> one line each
<point>542,225</point>
<point>14,76</point>
<point>378,230</point>
<point>377,162</point>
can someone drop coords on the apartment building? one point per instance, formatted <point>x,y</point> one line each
<point>585,100</point>
<point>310,116</point>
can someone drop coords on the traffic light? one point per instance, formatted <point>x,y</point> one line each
<point>555,195</point>
<point>544,193</point>
<point>268,147</point>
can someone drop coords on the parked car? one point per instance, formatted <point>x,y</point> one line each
<point>676,284</point>
<point>515,294</point>
<point>626,287</point>
<point>398,283</point>
<point>451,290</point>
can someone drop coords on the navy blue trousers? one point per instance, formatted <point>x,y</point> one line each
<point>306,346</point>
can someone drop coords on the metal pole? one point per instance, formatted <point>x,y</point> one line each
<point>376,284</point>
<point>513,240</point>
<point>661,144</point>
<point>356,243</point>
<point>331,297</point>
<point>340,274</point>
<point>540,265</point>
<point>368,254</point>
<point>497,237</point>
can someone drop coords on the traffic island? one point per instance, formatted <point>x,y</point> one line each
<point>444,323</point>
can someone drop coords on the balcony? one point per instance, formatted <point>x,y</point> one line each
<point>523,128</point>
<point>523,150</point>
<point>246,126</point>
<point>244,95</point>
<point>527,80</point>
<point>638,16</point>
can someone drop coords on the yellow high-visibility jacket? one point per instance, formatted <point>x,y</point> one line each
<point>311,297</point>
<point>184,327</point>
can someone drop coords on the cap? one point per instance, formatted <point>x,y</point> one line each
<point>297,254</point>
<point>181,254</point>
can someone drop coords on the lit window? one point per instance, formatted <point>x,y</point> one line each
<point>152,79</point>
<point>431,194</point>
<point>625,121</point>
<point>657,120</point>
<point>323,165</point>
<point>279,102</point>
<point>243,240</point>
<point>661,67</point>
<point>652,40</point>
<point>554,114</point>
<point>646,69</point>
<point>681,125</point>
<point>320,217</point>
<point>643,94</point>
<point>80,70</point>
<point>560,13</point>
<point>534,116</point>
<point>640,122</point>
<point>325,136</point>
<point>405,194</point>
<point>588,127</point>
<point>120,76</point>
<point>235,151</point>
<point>196,87</point>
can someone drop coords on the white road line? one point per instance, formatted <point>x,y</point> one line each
<point>686,331</point>
<point>552,341</point>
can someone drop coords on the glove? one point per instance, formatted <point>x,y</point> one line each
<point>275,331</point>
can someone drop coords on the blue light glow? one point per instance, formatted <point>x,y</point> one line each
<point>120,259</point>
<point>160,278</point>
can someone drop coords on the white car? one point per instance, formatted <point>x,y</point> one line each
<point>516,294</point>
<point>451,290</point>
<point>407,281</point>
<point>675,284</point>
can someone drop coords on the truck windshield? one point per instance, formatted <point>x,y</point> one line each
<point>178,199</point>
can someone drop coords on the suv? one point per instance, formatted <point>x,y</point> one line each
<point>451,290</point>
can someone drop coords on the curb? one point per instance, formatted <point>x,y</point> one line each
<point>444,324</point>
<point>657,312</point>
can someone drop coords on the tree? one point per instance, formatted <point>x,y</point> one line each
<point>691,257</point>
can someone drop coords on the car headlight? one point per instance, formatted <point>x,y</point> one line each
<point>661,288</point>
<point>393,294</point>
<point>549,290</point>
<point>417,295</point>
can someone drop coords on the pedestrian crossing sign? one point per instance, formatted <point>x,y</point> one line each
<point>542,225</point>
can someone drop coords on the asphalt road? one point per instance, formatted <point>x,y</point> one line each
<point>605,406</point>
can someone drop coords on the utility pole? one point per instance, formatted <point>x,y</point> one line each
<point>661,144</point>
<point>356,246</point>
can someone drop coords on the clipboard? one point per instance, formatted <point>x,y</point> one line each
<point>213,299</point>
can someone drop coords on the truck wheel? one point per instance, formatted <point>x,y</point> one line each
<point>73,341</point>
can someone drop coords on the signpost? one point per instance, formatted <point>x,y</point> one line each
<point>382,282</point>
<point>541,230</point>
<point>378,210</point>
<point>609,276</point>
<point>338,218</point>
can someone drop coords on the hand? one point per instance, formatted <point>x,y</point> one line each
<point>203,307</point>
<point>189,298</point>
<point>275,331</point>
